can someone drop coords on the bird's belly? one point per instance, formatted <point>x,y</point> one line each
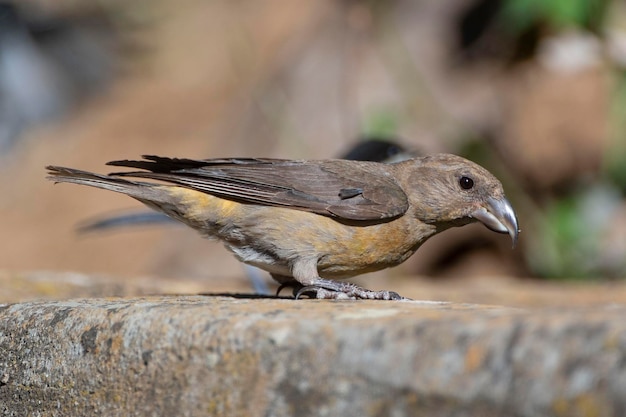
<point>273,238</point>
<point>370,249</point>
<point>280,236</point>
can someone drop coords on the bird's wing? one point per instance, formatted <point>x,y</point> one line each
<point>351,190</point>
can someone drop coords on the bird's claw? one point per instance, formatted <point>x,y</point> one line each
<point>322,293</point>
<point>325,289</point>
<point>345,291</point>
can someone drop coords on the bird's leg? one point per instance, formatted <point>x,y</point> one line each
<point>327,289</point>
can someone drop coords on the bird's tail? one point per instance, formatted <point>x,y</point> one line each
<point>176,202</point>
<point>139,190</point>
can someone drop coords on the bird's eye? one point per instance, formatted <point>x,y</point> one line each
<point>466,183</point>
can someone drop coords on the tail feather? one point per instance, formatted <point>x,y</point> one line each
<point>160,197</point>
<point>140,190</point>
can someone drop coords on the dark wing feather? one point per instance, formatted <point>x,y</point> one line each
<point>352,190</point>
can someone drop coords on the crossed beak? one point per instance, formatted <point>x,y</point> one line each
<point>498,216</point>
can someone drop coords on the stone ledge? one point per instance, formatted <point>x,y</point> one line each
<point>224,356</point>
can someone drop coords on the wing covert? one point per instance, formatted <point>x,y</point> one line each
<point>351,190</point>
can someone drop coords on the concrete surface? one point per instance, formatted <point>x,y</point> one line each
<point>227,356</point>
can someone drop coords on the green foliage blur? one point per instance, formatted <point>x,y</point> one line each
<point>558,14</point>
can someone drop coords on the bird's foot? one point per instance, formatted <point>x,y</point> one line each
<point>332,290</point>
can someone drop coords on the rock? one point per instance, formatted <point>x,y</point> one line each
<point>224,356</point>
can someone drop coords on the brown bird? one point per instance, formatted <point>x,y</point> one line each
<point>310,222</point>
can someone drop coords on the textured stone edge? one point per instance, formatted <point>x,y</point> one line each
<point>225,356</point>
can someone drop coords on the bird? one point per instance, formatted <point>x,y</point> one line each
<point>311,223</point>
<point>367,148</point>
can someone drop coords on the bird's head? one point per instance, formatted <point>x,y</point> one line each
<point>447,190</point>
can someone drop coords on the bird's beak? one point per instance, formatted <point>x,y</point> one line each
<point>499,217</point>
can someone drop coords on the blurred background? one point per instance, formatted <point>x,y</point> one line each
<point>534,90</point>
